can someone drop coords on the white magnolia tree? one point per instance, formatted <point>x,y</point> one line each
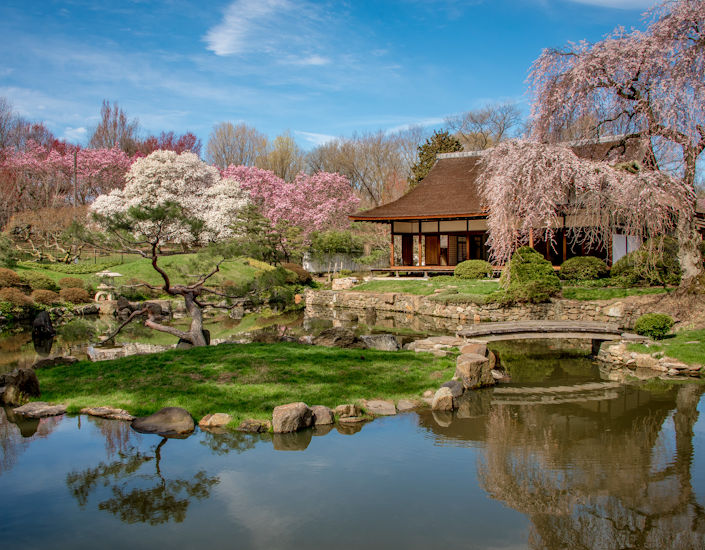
<point>172,199</point>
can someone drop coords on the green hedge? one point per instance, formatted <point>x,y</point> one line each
<point>38,281</point>
<point>473,269</point>
<point>583,268</point>
<point>531,278</point>
<point>653,325</point>
<point>72,269</point>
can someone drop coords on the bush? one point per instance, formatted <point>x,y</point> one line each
<point>583,268</point>
<point>74,269</point>
<point>45,297</point>
<point>9,278</point>
<point>75,295</point>
<point>473,269</point>
<point>8,252</point>
<point>302,276</point>
<point>531,277</point>
<point>655,263</point>
<point>135,291</point>
<point>15,296</point>
<point>70,282</point>
<point>38,281</point>
<point>653,325</point>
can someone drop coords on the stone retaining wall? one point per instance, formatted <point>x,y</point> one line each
<point>622,312</point>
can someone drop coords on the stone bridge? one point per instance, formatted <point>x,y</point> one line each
<point>548,330</point>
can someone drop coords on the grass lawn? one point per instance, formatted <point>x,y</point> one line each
<point>181,269</point>
<point>687,346</point>
<point>424,287</point>
<point>246,381</point>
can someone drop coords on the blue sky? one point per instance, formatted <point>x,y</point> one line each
<point>316,68</point>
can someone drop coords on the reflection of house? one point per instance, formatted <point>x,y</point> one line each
<point>442,222</point>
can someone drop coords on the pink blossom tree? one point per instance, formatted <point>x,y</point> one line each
<point>645,84</point>
<point>309,203</point>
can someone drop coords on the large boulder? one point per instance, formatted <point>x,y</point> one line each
<point>169,421</point>
<point>474,371</point>
<point>291,417</point>
<point>40,409</point>
<point>216,420</point>
<point>17,386</point>
<point>443,400</point>
<point>42,327</point>
<point>382,342</point>
<point>322,415</point>
<point>348,410</point>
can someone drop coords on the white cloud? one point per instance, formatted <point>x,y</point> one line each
<point>250,25</point>
<point>314,138</point>
<point>619,4</point>
<point>424,122</point>
<point>75,134</point>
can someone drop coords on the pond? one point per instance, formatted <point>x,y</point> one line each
<point>17,349</point>
<point>542,462</point>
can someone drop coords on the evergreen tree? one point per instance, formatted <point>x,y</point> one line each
<point>439,142</point>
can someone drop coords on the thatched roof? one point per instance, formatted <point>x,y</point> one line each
<point>450,190</point>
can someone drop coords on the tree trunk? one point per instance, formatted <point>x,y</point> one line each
<point>688,254</point>
<point>195,334</point>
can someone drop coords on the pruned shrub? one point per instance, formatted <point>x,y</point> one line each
<point>75,295</point>
<point>531,277</point>
<point>473,269</point>
<point>38,281</point>
<point>15,296</point>
<point>302,276</point>
<point>653,325</point>
<point>9,278</point>
<point>655,263</point>
<point>45,297</point>
<point>583,268</point>
<point>70,282</point>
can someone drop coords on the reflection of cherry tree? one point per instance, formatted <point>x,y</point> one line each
<point>155,500</point>
<point>555,469</point>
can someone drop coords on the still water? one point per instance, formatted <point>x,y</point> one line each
<point>540,463</point>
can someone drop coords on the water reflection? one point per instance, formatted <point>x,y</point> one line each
<point>138,493</point>
<point>18,432</point>
<point>611,473</point>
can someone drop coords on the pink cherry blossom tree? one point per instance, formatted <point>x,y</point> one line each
<point>172,199</point>
<point>309,203</point>
<point>648,84</point>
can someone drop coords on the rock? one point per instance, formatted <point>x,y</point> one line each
<point>382,342</point>
<point>54,361</point>
<point>108,412</point>
<point>168,421</point>
<point>347,411</point>
<point>335,337</point>
<point>493,359</point>
<point>475,346</point>
<point>123,303</point>
<point>616,310</point>
<point>352,419</point>
<point>126,350</point>
<point>455,386</point>
<point>378,407</point>
<point>17,385</point>
<point>322,415</point>
<point>406,405</point>
<point>474,371</point>
<point>291,417</point>
<point>237,312</point>
<point>254,426</point>
<point>40,409</point>
<point>344,283</point>
<point>42,327</point>
<point>216,420</point>
<point>428,393</point>
<point>497,375</point>
<point>443,400</point>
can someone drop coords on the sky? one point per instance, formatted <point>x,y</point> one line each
<point>319,69</point>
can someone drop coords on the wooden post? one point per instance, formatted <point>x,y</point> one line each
<point>565,246</point>
<point>391,250</point>
<point>467,245</point>
<point>420,247</point>
<point>531,237</point>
